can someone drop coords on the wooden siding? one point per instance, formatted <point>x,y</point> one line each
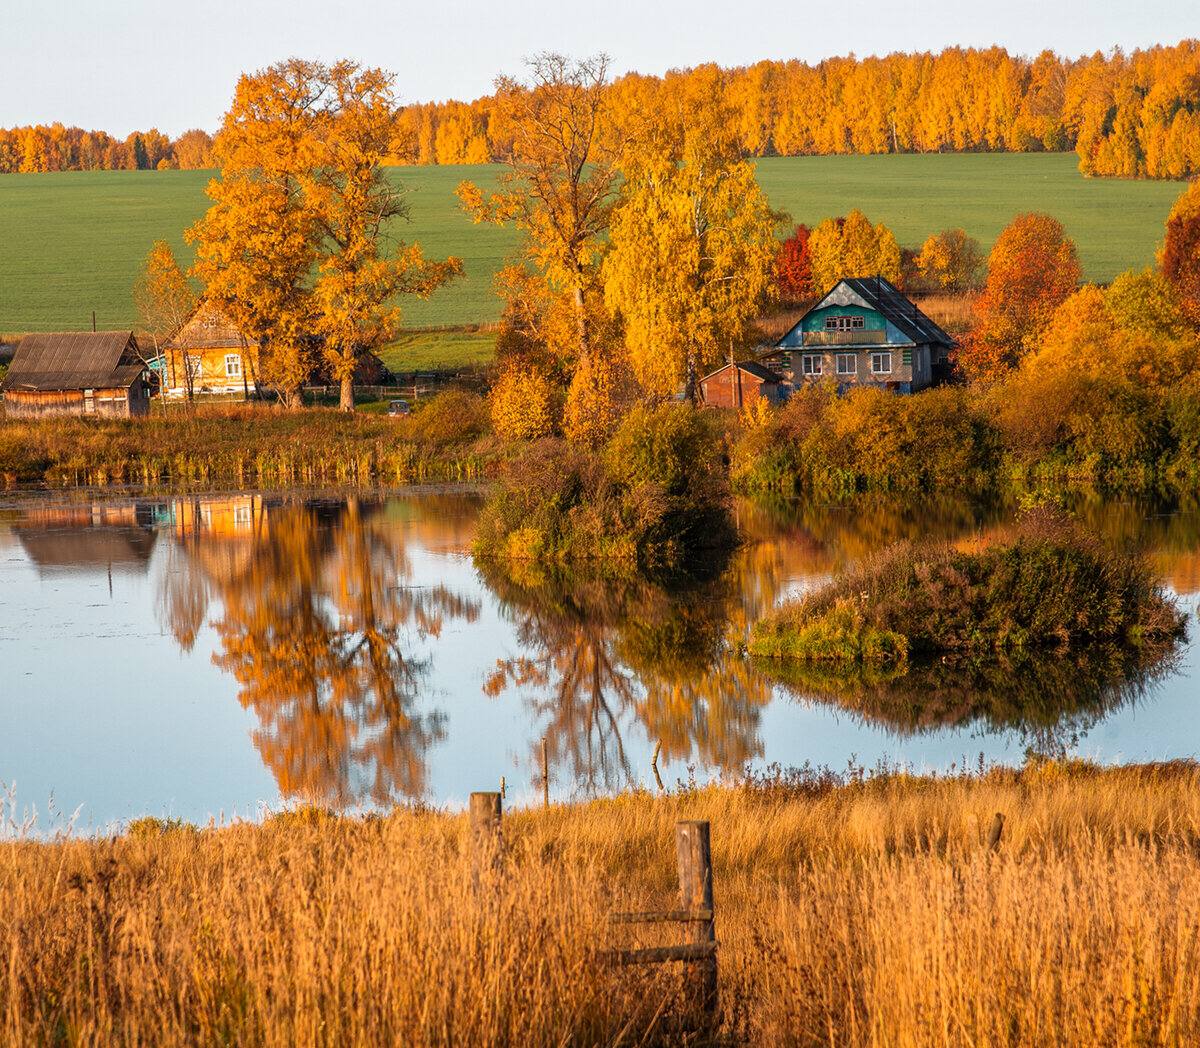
<point>722,389</point>
<point>104,403</point>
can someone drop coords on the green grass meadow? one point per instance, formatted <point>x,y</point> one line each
<point>72,242</point>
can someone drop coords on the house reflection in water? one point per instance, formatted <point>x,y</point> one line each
<point>112,536</point>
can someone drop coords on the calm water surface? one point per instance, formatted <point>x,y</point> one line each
<point>198,656</point>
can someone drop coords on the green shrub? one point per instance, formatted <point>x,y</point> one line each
<point>1052,586</point>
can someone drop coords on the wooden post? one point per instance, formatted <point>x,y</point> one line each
<point>694,853</point>
<point>654,766</point>
<point>485,826</point>
<point>545,776</point>
<point>997,831</point>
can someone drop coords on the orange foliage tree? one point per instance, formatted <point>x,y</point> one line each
<point>793,268</point>
<point>1179,257</point>
<point>1032,269</point>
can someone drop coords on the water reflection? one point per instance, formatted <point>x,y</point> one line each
<point>377,664</point>
<point>315,604</point>
<point>1050,700</point>
<point>599,652</point>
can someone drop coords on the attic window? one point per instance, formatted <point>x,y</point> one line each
<point>844,323</point>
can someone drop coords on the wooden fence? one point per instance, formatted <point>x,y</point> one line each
<point>693,854</point>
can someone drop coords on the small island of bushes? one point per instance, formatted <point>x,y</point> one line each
<point>1049,586</point>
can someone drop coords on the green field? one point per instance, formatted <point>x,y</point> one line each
<point>72,242</point>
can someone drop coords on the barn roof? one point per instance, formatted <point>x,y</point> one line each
<point>751,367</point>
<point>74,360</point>
<point>882,295</point>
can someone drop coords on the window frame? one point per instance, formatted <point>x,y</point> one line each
<point>845,322</point>
<point>877,356</point>
<point>237,359</point>
<point>837,364</point>
<point>812,365</point>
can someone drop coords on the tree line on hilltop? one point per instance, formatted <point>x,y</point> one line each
<point>1133,114</point>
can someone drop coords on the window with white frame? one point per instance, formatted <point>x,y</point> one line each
<point>810,365</point>
<point>847,364</point>
<point>881,363</point>
<point>847,323</point>
<point>233,365</point>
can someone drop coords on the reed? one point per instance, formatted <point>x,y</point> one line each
<point>857,910</point>
<point>241,446</point>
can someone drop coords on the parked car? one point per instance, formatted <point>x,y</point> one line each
<point>399,407</point>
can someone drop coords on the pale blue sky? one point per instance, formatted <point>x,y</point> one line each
<point>126,64</point>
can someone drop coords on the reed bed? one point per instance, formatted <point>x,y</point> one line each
<point>866,911</point>
<point>245,446</point>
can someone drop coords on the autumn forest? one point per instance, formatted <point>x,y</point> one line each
<point>1127,115</point>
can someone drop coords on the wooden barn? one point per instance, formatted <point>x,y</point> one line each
<point>736,385</point>
<point>77,373</point>
<point>863,332</point>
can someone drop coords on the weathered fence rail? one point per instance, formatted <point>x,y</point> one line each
<point>693,854</point>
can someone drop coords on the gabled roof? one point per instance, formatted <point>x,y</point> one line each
<point>74,360</point>
<point>751,367</point>
<point>883,296</point>
<point>207,327</point>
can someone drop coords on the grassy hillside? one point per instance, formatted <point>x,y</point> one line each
<point>72,242</point>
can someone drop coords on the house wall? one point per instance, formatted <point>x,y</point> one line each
<point>105,403</point>
<point>721,391</point>
<point>213,376</point>
<point>908,377</point>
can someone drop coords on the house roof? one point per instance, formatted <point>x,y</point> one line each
<point>882,295</point>
<point>751,367</point>
<point>74,360</point>
<point>207,327</point>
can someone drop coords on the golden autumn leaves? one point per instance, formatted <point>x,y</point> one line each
<point>295,248</point>
<point>651,235</point>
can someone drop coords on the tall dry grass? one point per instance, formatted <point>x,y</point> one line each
<point>862,914</point>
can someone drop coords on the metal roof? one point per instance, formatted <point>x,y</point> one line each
<point>74,360</point>
<point>882,295</point>
<point>751,367</point>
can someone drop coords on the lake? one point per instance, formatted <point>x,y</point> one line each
<point>221,655</point>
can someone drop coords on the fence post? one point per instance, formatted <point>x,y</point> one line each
<point>485,827</point>
<point>545,776</point>
<point>997,831</point>
<point>694,853</point>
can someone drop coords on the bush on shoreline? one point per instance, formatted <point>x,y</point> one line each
<point>655,496</point>
<point>1050,587</point>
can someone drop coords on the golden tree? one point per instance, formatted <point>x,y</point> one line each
<point>692,246</point>
<point>163,298</point>
<point>353,201</point>
<point>852,247</point>
<point>562,169</point>
<point>950,260</point>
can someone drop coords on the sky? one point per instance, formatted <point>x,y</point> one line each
<point>124,65</point>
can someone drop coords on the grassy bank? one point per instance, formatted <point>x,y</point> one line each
<point>1048,586</point>
<point>247,446</point>
<point>861,913</point>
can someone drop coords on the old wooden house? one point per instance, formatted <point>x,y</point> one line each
<point>736,385</point>
<point>863,332</point>
<point>77,373</point>
<point>208,355</point>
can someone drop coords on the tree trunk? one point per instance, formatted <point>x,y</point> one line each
<point>346,396</point>
<point>581,321</point>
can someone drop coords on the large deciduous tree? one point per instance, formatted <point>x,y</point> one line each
<point>1032,269</point>
<point>1179,257</point>
<point>295,248</point>
<point>692,245</point>
<point>561,157</point>
<point>852,247</point>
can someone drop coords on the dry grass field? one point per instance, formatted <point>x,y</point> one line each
<point>867,913</point>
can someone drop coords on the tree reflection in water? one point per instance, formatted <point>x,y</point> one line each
<point>1049,699</point>
<point>313,612</point>
<point>600,653</point>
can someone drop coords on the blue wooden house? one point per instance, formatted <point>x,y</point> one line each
<point>864,332</point>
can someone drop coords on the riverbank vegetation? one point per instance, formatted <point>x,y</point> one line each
<point>654,496</point>
<point>851,910</point>
<point>1049,586</point>
<point>252,446</point>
